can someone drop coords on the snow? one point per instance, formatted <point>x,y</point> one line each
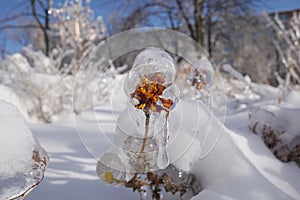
<point>233,163</point>
<point>16,141</point>
<point>228,159</point>
<point>37,59</point>
<point>8,95</point>
<point>291,100</point>
<point>22,159</point>
<point>71,173</point>
<point>18,64</point>
<point>283,120</point>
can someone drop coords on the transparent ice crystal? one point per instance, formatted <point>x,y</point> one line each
<point>141,161</point>
<point>110,168</point>
<point>150,61</point>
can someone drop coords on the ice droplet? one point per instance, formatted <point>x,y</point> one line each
<point>110,163</point>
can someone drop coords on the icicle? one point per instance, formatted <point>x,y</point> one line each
<point>163,159</point>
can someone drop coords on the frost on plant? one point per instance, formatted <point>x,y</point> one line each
<point>90,84</point>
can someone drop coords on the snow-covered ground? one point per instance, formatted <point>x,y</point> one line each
<point>239,166</point>
<point>228,159</point>
<point>71,173</point>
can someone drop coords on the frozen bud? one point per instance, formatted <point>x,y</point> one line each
<point>152,74</point>
<point>202,71</point>
<point>110,168</point>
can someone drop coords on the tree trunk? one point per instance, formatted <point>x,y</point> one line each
<point>198,12</point>
<point>44,27</point>
<point>47,48</point>
<point>47,28</point>
<point>209,42</point>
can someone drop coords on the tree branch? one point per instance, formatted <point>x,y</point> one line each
<point>42,5</point>
<point>18,26</point>
<point>34,12</point>
<point>186,19</point>
<point>42,27</point>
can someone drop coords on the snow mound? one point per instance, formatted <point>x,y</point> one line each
<point>38,60</point>
<point>22,160</point>
<point>217,157</point>
<point>7,94</point>
<point>18,64</point>
<point>16,141</point>
<point>291,100</point>
<point>279,128</point>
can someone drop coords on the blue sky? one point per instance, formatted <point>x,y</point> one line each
<point>102,7</point>
<point>281,5</point>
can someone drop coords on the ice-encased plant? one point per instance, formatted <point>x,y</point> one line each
<point>153,94</point>
<point>201,76</point>
<point>142,161</point>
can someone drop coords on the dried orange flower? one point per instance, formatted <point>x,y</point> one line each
<point>148,94</point>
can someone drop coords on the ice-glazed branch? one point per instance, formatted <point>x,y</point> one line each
<point>287,43</point>
<point>151,90</point>
<point>147,114</point>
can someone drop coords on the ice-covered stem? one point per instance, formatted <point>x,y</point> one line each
<point>149,96</point>
<point>147,114</point>
<point>162,160</point>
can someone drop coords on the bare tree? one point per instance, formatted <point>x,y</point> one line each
<point>287,43</point>
<point>30,15</point>
<point>193,17</point>
<point>246,44</point>
<point>42,20</point>
<point>47,96</point>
